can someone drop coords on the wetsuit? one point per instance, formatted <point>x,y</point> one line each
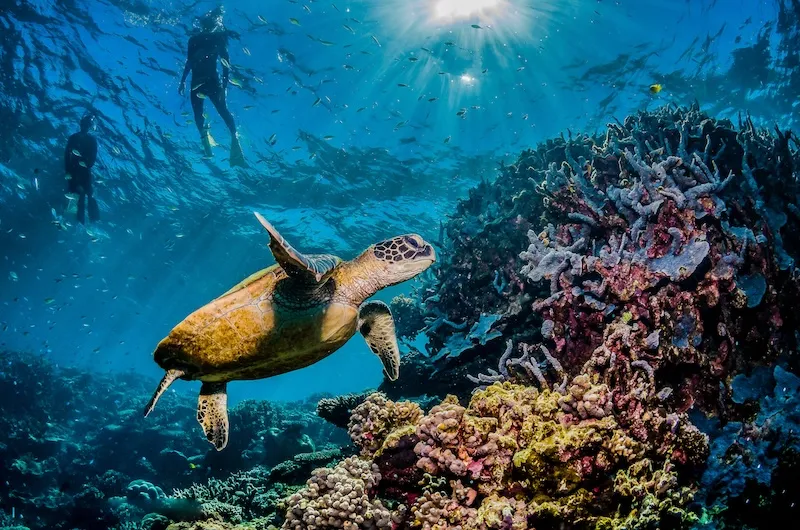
<point>79,157</point>
<point>205,49</point>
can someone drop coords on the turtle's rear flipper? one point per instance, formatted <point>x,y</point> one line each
<point>377,326</point>
<point>167,380</point>
<point>212,413</point>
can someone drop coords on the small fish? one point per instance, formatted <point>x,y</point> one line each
<point>307,9</point>
<point>476,26</point>
<point>461,112</point>
<point>656,88</point>
<point>326,42</point>
<point>246,51</point>
<point>316,102</point>
<point>402,85</point>
<point>235,81</point>
<point>201,95</point>
<point>262,19</point>
<point>362,108</point>
<point>328,137</point>
<point>248,107</point>
<point>484,70</point>
<point>49,301</point>
<point>13,276</point>
<point>347,67</point>
<point>225,62</point>
<point>426,50</point>
<point>36,183</point>
<point>294,21</point>
<point>272,139</point>
<point>449,43</point>
<point>76,152</point>
<point>431,100</point>
<point>375,40</point>
<point>348,28</point>
<point>447,140</point>
<point>198,85</point>
<point>82,164</point>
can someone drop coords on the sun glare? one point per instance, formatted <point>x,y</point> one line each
<point>463,8</point>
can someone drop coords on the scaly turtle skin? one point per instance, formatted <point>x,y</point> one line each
<point>287,317</point>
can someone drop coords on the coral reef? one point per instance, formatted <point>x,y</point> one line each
<point>339,498</point>
<point>516,457</point>
<point>663,246</point>
<point>72,461</point>
<point>659,264</point>
<point>337,410</point>
<point>750,481</point>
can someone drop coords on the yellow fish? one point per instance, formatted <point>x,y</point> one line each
<point>656,88</point>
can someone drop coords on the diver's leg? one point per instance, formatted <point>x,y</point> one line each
<point>197,108</point>
<point>236,156</point>
<point>218,99</point>
<point>94,209</point>
<point>200,121</point>
<point>82,208</point>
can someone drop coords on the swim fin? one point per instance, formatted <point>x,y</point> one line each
<point>207,142</point>
<point>94,210</point>
<point>236,156</point>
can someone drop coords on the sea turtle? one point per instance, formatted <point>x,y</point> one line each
<point>286,317</point>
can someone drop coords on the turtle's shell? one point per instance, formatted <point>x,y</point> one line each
<point>245,334</point>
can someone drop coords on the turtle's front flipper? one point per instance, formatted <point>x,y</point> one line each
<point>212,413</point>
<point>315,268</point>
<point>167,380</point>
<point>376,324</point>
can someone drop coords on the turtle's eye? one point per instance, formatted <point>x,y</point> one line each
<point>412,241</point>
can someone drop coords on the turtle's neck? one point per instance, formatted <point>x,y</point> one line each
<point>356,281</point>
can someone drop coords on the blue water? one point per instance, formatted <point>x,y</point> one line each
<point>176,230</point>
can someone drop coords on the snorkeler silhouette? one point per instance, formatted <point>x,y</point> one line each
<point>79,157</point>
<point>205,49</point>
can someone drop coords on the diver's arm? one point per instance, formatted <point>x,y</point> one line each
<point>187,67</point>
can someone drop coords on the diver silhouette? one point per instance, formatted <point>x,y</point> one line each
<point>79,157</point>
<point>205,49</point>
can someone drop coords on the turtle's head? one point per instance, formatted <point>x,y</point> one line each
<point>400,258</point>
<point>383,264</point>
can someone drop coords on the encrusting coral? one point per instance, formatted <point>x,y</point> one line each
<point>520,457</point>
<point>339,498</point>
